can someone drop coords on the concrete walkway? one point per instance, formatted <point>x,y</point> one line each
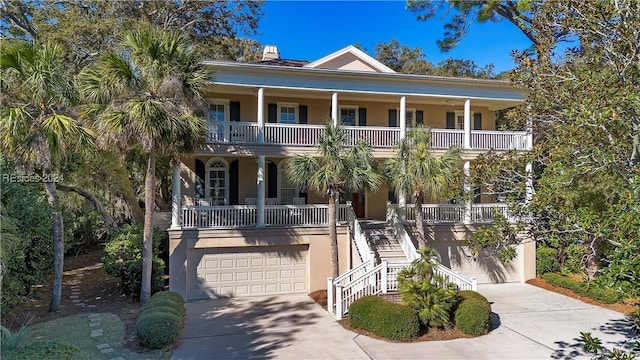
<point>529,323</point>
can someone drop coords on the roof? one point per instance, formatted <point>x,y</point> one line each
<point>282,62</point>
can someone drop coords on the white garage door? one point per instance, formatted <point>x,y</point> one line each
<point>247,271</point>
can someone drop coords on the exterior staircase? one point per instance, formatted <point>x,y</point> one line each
<point>383,241</point>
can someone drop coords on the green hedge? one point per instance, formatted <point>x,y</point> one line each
<point>46,349</point>
<point>383,318</point>
<point>605,295</point>
<point>547,260</point>
<point>473,314</point>
<point>124,259</point>
<point>160,320</point>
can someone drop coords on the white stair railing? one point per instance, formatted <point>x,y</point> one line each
<point>393,219</point>
<point>359,236</point>
<point>457,279</point>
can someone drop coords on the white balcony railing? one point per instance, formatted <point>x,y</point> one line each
<point>499,140</point>
<point>237,216</point>
<point>377,136</point>
<point>455,213</point>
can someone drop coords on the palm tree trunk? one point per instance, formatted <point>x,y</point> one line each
<point>58,245</point>
<point>147,242</point>
<point>333,236</point>
<point>422,240</point>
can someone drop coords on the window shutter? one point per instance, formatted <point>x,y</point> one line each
<point>392,197</point>
<point>272,178</point>
<point>419,117</point>
<point>302,114</point>
<point>200,178</point>
<point>393,118</point>
<point>272,113</point>
<point>362,117</point>
<point>477,121</point>
<point>233,182</point>
<point>477,193</point>
<point>451,120</point>
<point>234,111</point>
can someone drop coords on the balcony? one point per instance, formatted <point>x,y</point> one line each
<point>243,216</point>
<point>444,214</point>
<point>378,137</point>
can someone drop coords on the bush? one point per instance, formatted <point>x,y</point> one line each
<point>168,296</point>
<point>48,349</point>
<point>426,292</point>
<point>160,321</point>
<point>383,318</point>
<point>26,222</point>
<point>546,260</point>
<point>156,329</point>
<point>605,295</point>
<point>473,314</point>
<point>469,294</point>
<point>124,260</point>
<point>161,308</point>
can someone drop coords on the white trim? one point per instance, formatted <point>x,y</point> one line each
<point>207,169</point>
<point>364,57</point>
<point>280,105</point>
<point>350,107</point>
<point>455,119</point>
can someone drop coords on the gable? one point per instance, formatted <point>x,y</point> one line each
<point>350,59</point>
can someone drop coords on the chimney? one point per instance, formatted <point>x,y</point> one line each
<point>270,52</point>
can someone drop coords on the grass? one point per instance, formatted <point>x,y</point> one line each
<point>72,333</point>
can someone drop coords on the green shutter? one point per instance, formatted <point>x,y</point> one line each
<point>393,118</point>
<point>272,113</point>
<point>362,117</point>
<point>419,117</point>
<point>451,120</point>
<point>477,121</point>
<point>234,111</point>
<point>302,114</point>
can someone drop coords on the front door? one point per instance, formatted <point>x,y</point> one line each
<point>358,204</point>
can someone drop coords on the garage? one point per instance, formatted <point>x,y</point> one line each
<point>247,271</point>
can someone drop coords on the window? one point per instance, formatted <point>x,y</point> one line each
<point>217,182</point>
<point>349,115</point>
<point>410,116</point>
<point>286,190</point>
<point>287,113</point>
<point>459,120</point>
<point>218,113</point>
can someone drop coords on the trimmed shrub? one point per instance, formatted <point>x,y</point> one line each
<point>124,260</point>
<point>605,295</point>
<point>160,321</point>
<point>47,349</point>
<point>161,308</point>
<point>383,318</point>
<point>546,260</point>
<point>473,314</point>
<point>469,294</point>
<point>156,330</point>
<point>168,296</point>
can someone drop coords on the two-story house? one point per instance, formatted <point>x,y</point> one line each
<point>240,228</point>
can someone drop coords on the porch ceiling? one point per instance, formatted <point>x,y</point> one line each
<point>351,96</point>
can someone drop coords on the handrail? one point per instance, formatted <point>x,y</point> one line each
<point>403,237</point>
<point>359,237</point>
<point>453,277</point>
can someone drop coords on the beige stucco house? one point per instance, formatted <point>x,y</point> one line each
<point>239,228</point>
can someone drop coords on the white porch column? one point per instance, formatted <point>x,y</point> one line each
<point>402,200</point>
<point>467,192</point>
<point>529,191</point>
<point>529,131</point>
<point>334,108</point>
<point>260,115</point>
<point>403,117</point>
<point>175,196</point>
<point>260,199</point>
<point>467,124</point>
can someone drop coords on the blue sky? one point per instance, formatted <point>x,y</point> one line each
<point>308,30</point>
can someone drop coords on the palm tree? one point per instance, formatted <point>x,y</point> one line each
<point>38,124</point>
<point>336,169</point>
<point>414,170</point>
<point>149,93</point>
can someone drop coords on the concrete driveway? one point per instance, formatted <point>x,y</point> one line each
<point>528,323</point>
